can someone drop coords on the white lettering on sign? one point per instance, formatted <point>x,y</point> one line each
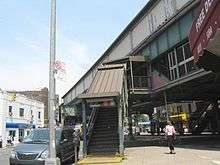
<point>203,13</point>
<point>209,33</point>
<point>199,48</point>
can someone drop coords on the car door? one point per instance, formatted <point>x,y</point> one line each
<point>66,145</point>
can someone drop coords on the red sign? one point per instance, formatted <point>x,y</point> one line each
<point>204,26</point>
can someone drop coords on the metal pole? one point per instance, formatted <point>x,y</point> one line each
<point>52,146</point>
<point>120,128</point>
<point>84,128</point>
<point>132,76</point>
<point>166,108</point>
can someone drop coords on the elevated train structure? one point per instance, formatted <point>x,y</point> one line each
<point>160,58</point>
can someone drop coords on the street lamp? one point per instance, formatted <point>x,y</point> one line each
<point>52,160</point>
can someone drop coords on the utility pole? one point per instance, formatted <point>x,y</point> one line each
<point>52,160</point>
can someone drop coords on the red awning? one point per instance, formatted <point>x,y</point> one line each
<point>204,34</point>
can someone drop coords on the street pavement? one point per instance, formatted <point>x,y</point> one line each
<point>199,150</point>
<point>4,156</point>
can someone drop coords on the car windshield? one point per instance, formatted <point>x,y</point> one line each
<point>41,136</point>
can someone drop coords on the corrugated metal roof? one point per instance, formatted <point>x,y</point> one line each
<point>108,82</point>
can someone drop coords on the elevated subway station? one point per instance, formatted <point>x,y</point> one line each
<point>151,64</point>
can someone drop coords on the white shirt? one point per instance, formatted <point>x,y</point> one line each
<point>169,130</point>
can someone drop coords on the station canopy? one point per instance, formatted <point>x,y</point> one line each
<point>108,82</point>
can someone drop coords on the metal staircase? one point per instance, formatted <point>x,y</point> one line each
<point>200,119</point>
<point>104,138</point>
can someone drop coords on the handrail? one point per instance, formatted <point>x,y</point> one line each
<point>202,115</point>
<point>91,124</point>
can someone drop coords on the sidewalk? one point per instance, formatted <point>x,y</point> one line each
<point>159,156</point>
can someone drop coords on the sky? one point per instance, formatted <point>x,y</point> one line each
<point>85,29</point>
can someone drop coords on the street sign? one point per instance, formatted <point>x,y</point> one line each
<point>204,27</point>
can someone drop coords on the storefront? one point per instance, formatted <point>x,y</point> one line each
<point>18,130</point>
<point>204,35</point>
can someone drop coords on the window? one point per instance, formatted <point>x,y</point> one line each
<point>169,8</point>
<point>190,66</point>
<point>182,70</point>
<point>179,52</point>
<point>187,51</point>
<point>181,62</point>
<point>10,110</point>
<point>12,133</point>
<point>162,66</point>
<point>21,112</point>
<point>39,115</point>
<point>173,65</point>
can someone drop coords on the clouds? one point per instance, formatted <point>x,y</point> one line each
<point>84,30</point>
<point>28,64</point>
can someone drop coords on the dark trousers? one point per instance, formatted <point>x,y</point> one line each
<point>170,141</point>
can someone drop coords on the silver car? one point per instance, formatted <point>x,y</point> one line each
<point>34,148</point>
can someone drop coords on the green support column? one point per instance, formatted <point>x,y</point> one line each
<point>130,134</point>
<point>84,128</point>
<point>120,129</point>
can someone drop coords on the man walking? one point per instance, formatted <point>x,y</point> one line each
<point>170,134</point>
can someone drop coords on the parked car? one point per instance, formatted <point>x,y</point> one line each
<point>34,149</point>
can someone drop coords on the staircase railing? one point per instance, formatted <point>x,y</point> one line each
<point>202,115</point>
<point>91,124</point>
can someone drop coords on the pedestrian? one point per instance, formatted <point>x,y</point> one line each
<point>9,140</point>
<point>77,141</point>
<point>170,135</point>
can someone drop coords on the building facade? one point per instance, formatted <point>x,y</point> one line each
<point>19,115</point>
<point>40,95</point>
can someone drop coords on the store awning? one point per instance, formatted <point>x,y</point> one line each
<point>19,125</point>
<point>204,36</point>
<point>108,82</point>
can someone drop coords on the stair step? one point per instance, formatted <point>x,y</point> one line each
<point>104,125</point>
<point>104,138</point>
<point>113,128</point>
<point>103,142</point>
<point>107,136</point>
<point>107,113</point>
<point>112,132</point>
<point>103,150</point>
<point>107,118</point>
<point>106,121</point>
<point>104,145</point>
